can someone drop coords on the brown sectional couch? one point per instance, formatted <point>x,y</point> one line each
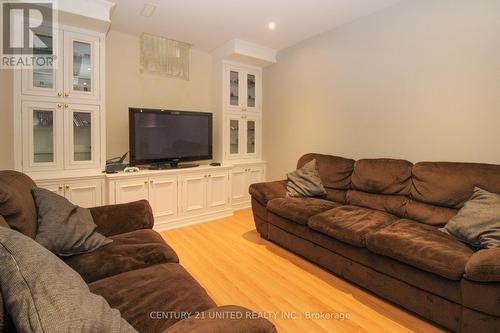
<point>378,227</point>
<point>138,273</point>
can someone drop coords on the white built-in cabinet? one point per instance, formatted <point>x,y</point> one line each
<point>177,197</point>
<point>82,192</point>
<point>241,179</point>
<point>242,112</point>
<point>59,116</point>
<point>59,125</point>
<point>160,191</point>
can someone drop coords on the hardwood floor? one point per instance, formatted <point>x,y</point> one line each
<point>236,266</point>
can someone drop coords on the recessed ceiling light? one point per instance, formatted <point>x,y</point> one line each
<point>148,10</point>
<point>272,25</point>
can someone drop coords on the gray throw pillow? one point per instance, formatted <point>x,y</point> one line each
<point>63,228</point>
<point>305,182</point>
<point>478,222</point>
<point>43,294</point>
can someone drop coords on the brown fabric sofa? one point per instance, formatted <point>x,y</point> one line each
<point>378,228</point>
<point>138,273</point>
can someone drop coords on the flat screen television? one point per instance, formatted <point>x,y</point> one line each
<point>163,138</point>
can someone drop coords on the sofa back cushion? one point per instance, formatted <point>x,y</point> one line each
<point>16,202</point>
<point>335,172</point>
<point>449,184</point>
<point>428,214</point>
<point>393,204</point>
<point>382,176</point>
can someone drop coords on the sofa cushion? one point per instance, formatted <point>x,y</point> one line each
<point>392,204</point>
<point>166,291</point>
<point>350,224</point>
<point>16,202</point>
<point>484,266</point>
<point>63,228</point>
<point>263,192</point>
<point>335,171</point>
<point>451,184</point>
<point>428,214</point>
<point>42,294</point>
<point>421,246</point>
<point>305,182</point>
<point>128,251</point>
<point>382,175</point>
<point>299,210</point>
<point>224,319</point>
<point>478,221</point>
<point>3,223</point>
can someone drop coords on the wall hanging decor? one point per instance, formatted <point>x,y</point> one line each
<point>164,56</point>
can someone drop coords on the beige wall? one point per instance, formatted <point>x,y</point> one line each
<point>6,120</point>
<point>420,81</point>
<point>127,87</point>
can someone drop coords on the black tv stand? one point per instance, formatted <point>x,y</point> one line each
<point>171,165</point>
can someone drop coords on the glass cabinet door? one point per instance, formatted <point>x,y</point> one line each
<point>234,136</point>
<point>252,91</point>
<point>251,136</point>
<point>234,88</point>
<point>42,130</point>
<point>45,78</point>
<point>234,79</point>
<point>81,66</point>
<point>82,125</point>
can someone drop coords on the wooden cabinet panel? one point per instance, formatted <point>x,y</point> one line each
<point>163,196</point>
<point>194,193</point>
<point>132,190</point>
<point>85,193</point>
<point>217,190</point>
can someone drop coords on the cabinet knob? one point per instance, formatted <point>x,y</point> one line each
<point>66,105</point>
<point>146,182</point>
<point>59,106</point>
<point>60,188</point>
<point>59,94</point>
<point>151,182</point>
<point>67,187</point>
<point>66,95</point>
<point>243,117</point>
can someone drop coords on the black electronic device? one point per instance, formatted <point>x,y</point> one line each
<point>165,138</point>
<point>116,164</point>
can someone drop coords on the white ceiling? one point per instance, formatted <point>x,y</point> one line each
<point>208,24</point>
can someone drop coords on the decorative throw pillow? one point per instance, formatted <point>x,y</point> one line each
<point>63,228</point>
<point>305,182</point>
<point>43,294</point>
<point>478,222</point>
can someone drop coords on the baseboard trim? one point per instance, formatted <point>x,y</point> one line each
<point>184,222</point>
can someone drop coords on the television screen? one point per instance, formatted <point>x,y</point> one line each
<point>163,136</point>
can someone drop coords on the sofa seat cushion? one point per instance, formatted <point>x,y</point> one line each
<point>154,298</point>
<point>263,192</point>
<point>128,251</point>
<point>299,210</point>
<point>350,224</point>
<point>421,246</point>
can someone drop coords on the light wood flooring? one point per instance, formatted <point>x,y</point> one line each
<point>229,259</point>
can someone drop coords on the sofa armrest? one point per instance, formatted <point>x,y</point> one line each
<point>118,219</point>
<point>263,192</point>
<point>484,266</point>
<point>223,319</point>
